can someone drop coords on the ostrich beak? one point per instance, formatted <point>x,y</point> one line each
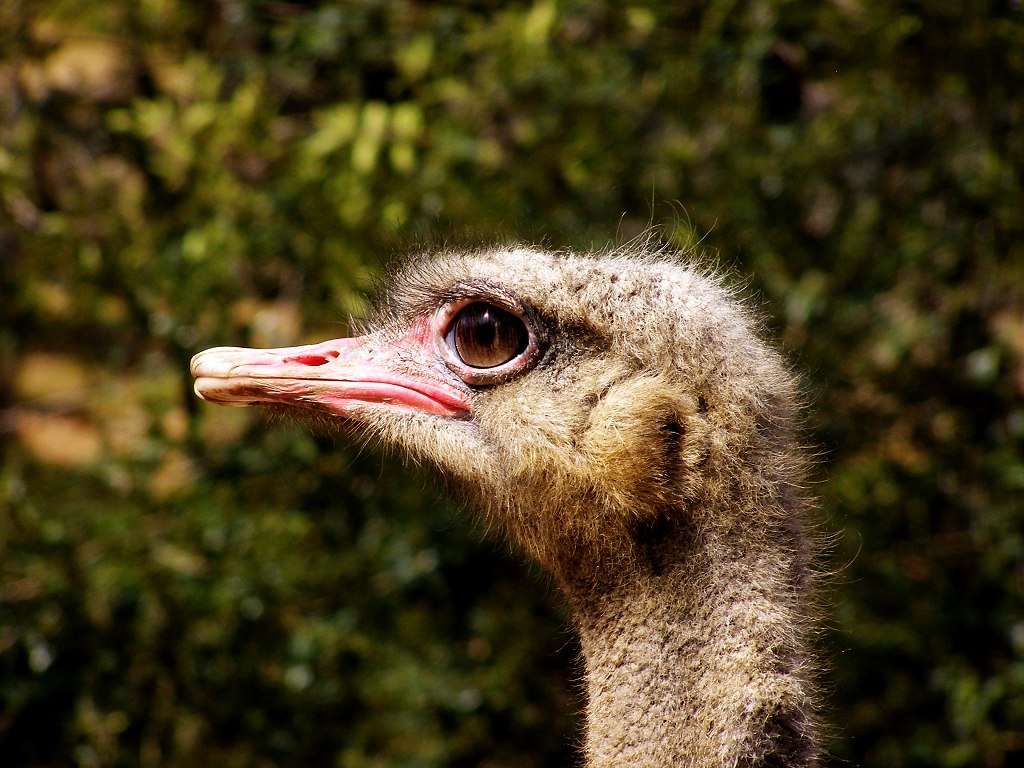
<point>342,376</point>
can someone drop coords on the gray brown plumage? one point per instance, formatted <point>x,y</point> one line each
<point>618,415</point>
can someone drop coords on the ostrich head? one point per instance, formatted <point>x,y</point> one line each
<point>618,415</point>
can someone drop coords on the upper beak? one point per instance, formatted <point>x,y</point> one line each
<point>341,376</point>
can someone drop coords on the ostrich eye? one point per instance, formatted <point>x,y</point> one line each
<point>485,336</point>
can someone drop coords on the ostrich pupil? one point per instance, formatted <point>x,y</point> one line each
<point>485,336</point>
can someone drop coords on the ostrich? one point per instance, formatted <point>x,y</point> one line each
<point>619,417</point>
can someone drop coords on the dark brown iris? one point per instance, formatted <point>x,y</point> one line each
<point>485,336</point>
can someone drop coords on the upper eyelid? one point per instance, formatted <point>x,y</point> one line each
<point>479,291</point>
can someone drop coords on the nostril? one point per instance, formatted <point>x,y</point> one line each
<point>313,360</point>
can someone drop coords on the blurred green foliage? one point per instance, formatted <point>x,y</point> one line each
<point>183,585</point>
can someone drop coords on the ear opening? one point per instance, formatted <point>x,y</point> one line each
<point>673,433</point>
<point>636,439</point>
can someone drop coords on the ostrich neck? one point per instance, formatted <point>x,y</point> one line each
<point>696,660</point>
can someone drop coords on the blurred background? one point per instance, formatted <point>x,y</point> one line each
<point>185,585</point>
